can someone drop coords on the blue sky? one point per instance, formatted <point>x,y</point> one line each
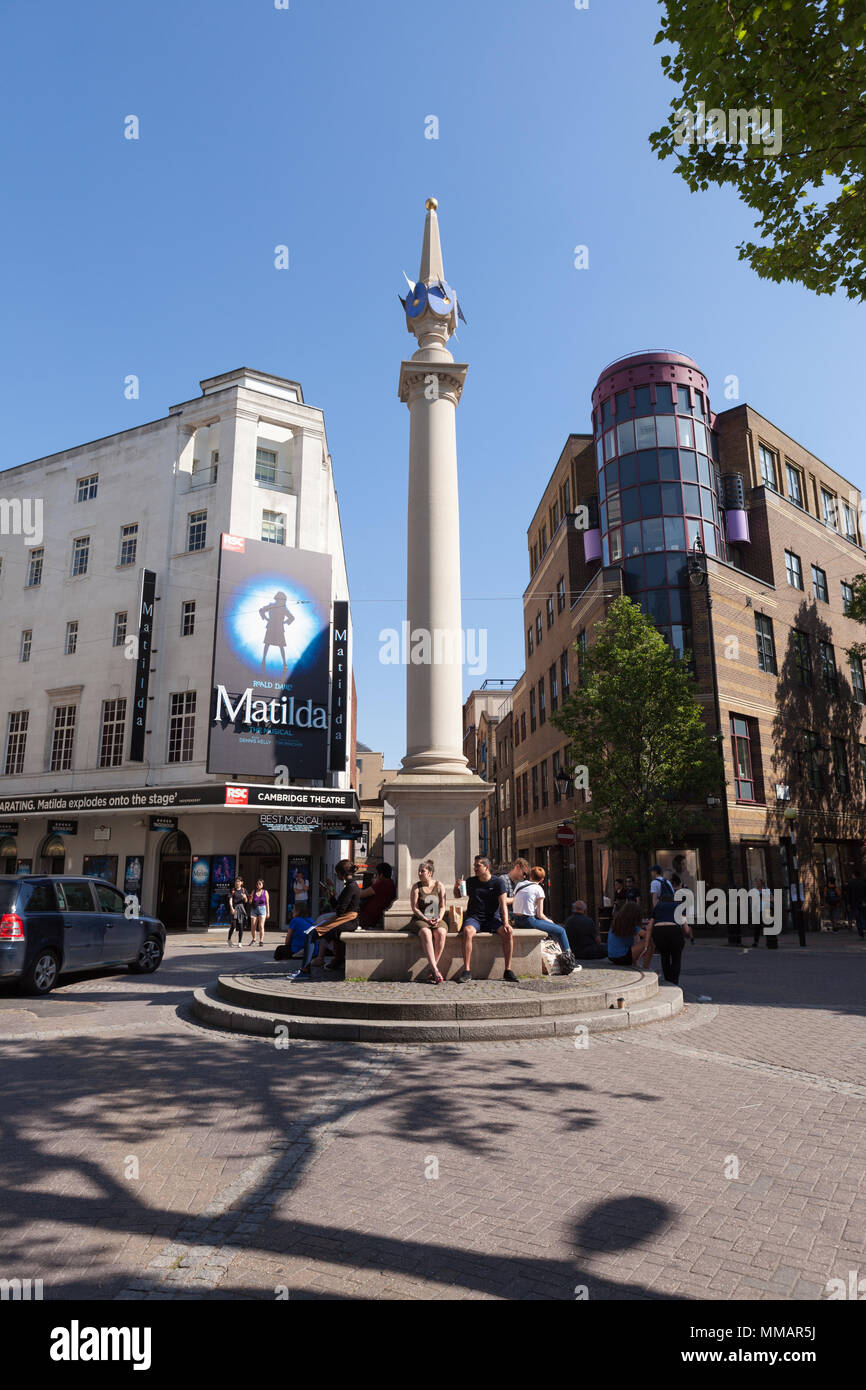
<point>306,127</point>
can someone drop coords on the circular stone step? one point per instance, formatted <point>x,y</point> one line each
<point>392,1012</point>
<point>389,1001</point>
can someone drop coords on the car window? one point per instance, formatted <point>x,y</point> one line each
<point>78,897</point>
<point>8,893</point>
<point>38,897</point>
<point>109,898</point>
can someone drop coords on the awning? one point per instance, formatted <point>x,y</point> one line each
<point>330,803</point>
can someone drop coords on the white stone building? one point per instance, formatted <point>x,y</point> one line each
<point>77,529</point>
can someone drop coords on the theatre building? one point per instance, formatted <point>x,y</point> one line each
<point>741,545</point>
<point>177,701</point>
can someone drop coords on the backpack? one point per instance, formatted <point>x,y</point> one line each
<point>666,892</point>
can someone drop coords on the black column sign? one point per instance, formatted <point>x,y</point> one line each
<point>142,666</point>
<point>339,685</point>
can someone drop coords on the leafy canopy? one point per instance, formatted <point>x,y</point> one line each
<point>805,61</point>
<point>635,724</point>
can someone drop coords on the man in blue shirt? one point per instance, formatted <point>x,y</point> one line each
<point>487,911</point>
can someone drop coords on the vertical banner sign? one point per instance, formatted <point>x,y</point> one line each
<point>142,666</point>
<point>199,893</point>
<point>339,683</point>
<point>270,668</point>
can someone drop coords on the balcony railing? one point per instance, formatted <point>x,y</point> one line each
<point>278,481</point>
<point>201,477</point>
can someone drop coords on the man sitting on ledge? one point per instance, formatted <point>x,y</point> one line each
<point>377,898</point>
<point>487,911</point>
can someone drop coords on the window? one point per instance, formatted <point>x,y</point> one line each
<point>80,555</point>
<point>563,666</point>
<point>77,897</point>
<point>554,688</point>
<point>535,789</point>
<point>560,594</point>
<point>523,727</point>
<point>581,654</point>
<point>554,517</point>
<point>533,720</point>
<point>802,657</point>
<point>827,658</point>
<point>16,741</point>
<point>828,507</point>
<point>840,767</point>
<point>795,484</point>
<point>196,530</point>
<point>526,793</point>
<point>766,645</point>
<point>847,596</point>
<point>768,468</point>
<point>85,489</point>
<point>544,788</point>
<point>793,569</point>
<point>542,540</point>
<point>557,767</point>
<point>181,727</point>
<point>113,729</point>
<point>274,527</point>
<point>530,646</point>
<point>538,629</point>
<point>542,703</point>
<point>566,497</point>
<point>25,645</point>
<point>34,568</point>
<point>533,562</point>
<point>266,467</point>
<point>187,618</point>
<point>551,614</point>
<point>862,750</point>
<point>119,630</point>
<point>857,685</point>
<point>742,749</point>
<point>819,584</point>
<point>848,523</point>
<point>109,899</point>
<point>128,544</point>
<point>214,463</point>
<point>71,645</point>
<point>62,738</point>
<point>813,768</point>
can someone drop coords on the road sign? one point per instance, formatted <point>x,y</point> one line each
<point>565,834</point>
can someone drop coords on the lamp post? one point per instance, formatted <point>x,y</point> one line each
<point>565,784</point>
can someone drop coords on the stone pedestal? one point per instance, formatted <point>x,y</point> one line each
<point>437,818</point>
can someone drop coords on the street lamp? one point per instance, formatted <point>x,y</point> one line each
<point>564,781</point>
<point>790,815</point>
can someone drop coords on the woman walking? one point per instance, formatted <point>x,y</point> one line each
<point>428,909</point>
<point>666,935</point>
<point>238,907</point>
<point>260,910</point>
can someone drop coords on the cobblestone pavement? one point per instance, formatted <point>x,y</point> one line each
<point>719,1155</point>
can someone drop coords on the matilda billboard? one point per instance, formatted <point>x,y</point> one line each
<point>270,670</point>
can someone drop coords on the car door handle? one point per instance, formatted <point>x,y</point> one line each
<point>109,924</point>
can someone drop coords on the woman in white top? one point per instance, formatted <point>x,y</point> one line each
<point>528,908</point>
<point>428,910</point>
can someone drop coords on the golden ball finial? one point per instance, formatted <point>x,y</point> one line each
<point>431,204</point>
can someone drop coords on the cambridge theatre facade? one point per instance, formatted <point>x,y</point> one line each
<point>177,702</point>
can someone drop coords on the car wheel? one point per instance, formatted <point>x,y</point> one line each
<point>41,974</point>
<point>149,957</point>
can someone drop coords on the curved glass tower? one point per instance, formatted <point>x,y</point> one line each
<point>658,480</point>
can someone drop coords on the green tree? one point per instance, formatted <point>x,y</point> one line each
<point>635,725</point>
<point>803,64</point>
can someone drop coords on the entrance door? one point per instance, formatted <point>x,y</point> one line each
<point>174,879</point>
<point>260,857</point>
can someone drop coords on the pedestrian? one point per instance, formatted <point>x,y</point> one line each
<point>488,912</point>
<point>260,910</point>
<point>625,940</point>
<point>377,898</point>
<point>330,926</point>
<point>584,937</point>
<point>428,900</point>
<point>666,935</point>
<point>764,906</point>
<point>833,899</point>
<point>619,895</point>
<point>295,936</point>
<point>527,909</point>
<point>856,894</point>
<point>632,892</point>
<point>238,907</point>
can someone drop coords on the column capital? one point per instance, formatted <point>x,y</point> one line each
<point>432,379</point>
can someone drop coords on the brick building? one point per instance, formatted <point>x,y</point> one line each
<point>740,544</point>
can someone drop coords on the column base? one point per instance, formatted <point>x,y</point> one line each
<point>437,818</point>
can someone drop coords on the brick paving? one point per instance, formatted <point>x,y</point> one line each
<point>720,1155</point>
